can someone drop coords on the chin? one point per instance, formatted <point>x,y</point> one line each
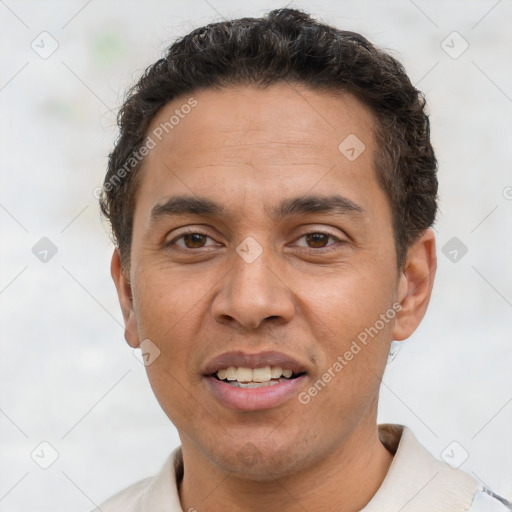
<point>260,457</point>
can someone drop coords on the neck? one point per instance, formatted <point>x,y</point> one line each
<point>345,481</point>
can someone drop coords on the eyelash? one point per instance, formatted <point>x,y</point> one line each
<point>327,249</point>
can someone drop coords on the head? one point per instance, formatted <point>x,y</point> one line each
<point>270,196</point>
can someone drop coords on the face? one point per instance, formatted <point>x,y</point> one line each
<point>262,248</point>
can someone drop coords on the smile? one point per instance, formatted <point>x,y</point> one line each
<point>254,382</point>
<point>254,377</point>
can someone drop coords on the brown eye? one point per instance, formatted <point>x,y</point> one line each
<point>194,240</point>
<point>191,240</point>
<point>317,240</point>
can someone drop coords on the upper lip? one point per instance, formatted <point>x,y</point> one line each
<point>257,360</point>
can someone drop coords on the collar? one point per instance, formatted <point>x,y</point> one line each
<point>416,481</point>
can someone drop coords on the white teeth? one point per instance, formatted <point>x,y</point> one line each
<point>276,372</point>
<point>257,375</point>
<point>230,373</point>
<point>255,384</point>
<point>261,374</point>
<point>244,374</point>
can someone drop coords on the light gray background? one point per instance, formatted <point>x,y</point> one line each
<point>68,377</point>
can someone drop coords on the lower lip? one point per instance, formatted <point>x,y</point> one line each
<point>254,399</point>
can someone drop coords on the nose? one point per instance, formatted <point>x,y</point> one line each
<point>251,293</point>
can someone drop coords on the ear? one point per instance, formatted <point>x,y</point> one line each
<point>124,292</point>
<point>415,285</point>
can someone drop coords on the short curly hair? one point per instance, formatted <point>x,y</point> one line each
<point>285,46</point>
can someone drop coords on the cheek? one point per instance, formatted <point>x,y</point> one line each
<point>352,345</point>
<point>165,300</point>
<point>182,406</point>
<point>171,324</point>
<point>166,313</point>
<point>348,303</point>
<point>352,338</point>
<point>170,308</point>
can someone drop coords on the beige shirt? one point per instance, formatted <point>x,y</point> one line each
<point>416,481</point>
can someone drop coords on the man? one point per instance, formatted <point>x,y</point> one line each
<point>271,196</point>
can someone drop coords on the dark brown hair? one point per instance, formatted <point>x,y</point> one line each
<point>286,45</point>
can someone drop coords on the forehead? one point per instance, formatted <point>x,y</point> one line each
<point>238,117</point>
<point>248,142</point>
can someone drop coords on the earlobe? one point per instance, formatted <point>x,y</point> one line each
<point>124,293</point>
<point>415,285</point>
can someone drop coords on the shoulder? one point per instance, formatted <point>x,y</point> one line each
<point>418,481</point>
<point>153,494</point>
<point>488,501</point>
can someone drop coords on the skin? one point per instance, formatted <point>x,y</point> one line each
<point>248,149</point>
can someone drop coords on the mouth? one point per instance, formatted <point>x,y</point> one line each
<point>251,378</point>
<point>252,382</point>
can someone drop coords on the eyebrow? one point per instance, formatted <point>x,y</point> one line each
<point>302,205</point>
